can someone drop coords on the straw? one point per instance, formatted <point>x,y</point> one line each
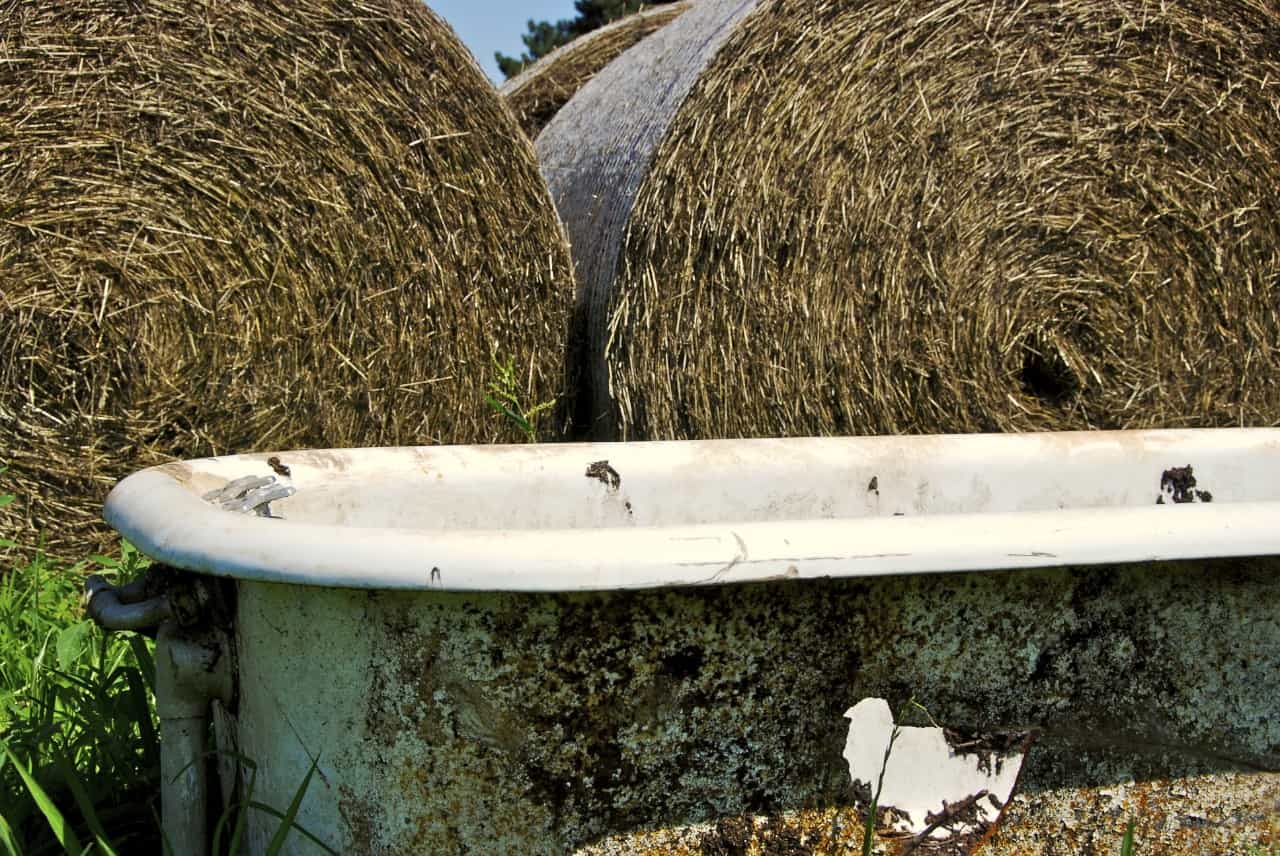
<point>900,217</point>
<point>235,226</point>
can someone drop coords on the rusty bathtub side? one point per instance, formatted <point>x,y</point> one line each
<point>685,720</point>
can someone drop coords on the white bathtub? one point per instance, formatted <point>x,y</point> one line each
<point>544,648</point>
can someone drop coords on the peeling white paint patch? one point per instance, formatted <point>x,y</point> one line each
<point>923,775</point>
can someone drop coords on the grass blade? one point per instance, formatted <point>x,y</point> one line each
<point>1126,846</point>
<point>8,839</point>
<point>301,830</point>
<point>86,807</point>
<point>146,663</point>
<point>218,828</point>
<point>237,831</point>
<point>286,823</point>
<point>869,831</point>
<point>140,713</point>
<point>165,847</point>
<point>62,830</point>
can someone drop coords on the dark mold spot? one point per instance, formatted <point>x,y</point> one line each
<point>277,467</point>
<point>743,834</point>
<point>685,663</point>
<point>1178,483</point>
<point>874,484</point>
<point>1192,821</point>
<point>731,837</point>
<point>627,506</point>
<point>608,475</point>
<point>1043,667</point>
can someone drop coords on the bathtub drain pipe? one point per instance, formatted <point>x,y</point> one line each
<point>192,670</point>
<point>128,607</point>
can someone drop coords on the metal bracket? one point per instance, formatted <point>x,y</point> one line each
<point>249,493</point>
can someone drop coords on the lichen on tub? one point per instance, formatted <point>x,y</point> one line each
<point>545,723</point>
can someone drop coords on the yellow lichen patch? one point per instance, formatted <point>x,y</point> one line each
<point>811,832</point>
<point>1223,812</point>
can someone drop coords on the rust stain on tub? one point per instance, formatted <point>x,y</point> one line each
<point>191,479</point>
<point>322,459</point>
<point>1179,485</point>
<point>179,471</point>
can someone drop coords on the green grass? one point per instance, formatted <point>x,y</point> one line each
<point>79,737</point>
<point>1126,843</point>
<point>79,753</point>
<point>506,400</point>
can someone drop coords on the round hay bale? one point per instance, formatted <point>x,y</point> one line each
<point>794,218</point>
<point>235,225</point>
<point>538,92</point>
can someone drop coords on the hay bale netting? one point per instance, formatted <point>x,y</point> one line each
<point>797,218</point>
<point>231,226</point>
<point>538,92</point>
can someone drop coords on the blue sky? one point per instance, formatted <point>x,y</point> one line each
<point>496,25</point>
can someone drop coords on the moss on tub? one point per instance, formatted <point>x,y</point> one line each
<point>541,723</point>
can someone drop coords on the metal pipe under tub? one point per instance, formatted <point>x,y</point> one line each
<point>192,670</point>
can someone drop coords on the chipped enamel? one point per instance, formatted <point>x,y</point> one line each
<point>915,770</point>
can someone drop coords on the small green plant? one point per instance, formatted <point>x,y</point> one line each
<point>79,744</point>
<point>505,399</point>
<point>5,499</point>
<point>234,816</point>
<point>1126,844</point>
<point>869,831</point>
<point>79,753</point>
